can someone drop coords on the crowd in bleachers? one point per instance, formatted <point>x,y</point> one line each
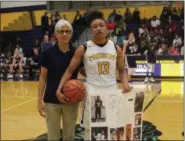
<point>165,36</point>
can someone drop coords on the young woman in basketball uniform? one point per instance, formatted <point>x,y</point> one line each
<point>101,58</point>
<point>130,48</point>
<point>151,60</point>
<point>17,62</point>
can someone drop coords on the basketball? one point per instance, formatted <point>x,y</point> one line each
<point>74,90</point>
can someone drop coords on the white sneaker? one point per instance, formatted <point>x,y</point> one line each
<point>146,80</point>
<point>21,76</point>
<point>152,79</point>
<point>10,76</point>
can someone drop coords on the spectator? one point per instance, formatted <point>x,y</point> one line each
<point>155,22</point>
<point>57,16</point>
<point>174,16</point>
<point>45,23</point>
<point>120,26</point>
<point>177,41</point>
<point>112,15</point>
<point>77,18</point>
<point>163,49</point>
<point>19,50</point>
<point>9,48</point>
<point>53,40</point>
<point>182,14</point>
<point>171,26</point>
<point>182,50</point>
<point>45,44</point>
<point>128,16</point>
<point>35,62</point>
<point>37,45</point>
<point>164,15</point>
<point>136,17</point>
<point>64,17</point>
<point>143,30</point>
<point>174,50</point>
<point>52,18</point>
<point>17,62</point>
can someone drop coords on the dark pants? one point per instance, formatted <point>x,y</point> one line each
<point>98,113</point>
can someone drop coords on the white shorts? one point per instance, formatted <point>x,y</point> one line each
<point>150,67</point>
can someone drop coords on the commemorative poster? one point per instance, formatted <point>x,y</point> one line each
<point>116,116</point>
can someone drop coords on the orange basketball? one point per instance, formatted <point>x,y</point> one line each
<point>74,90</point>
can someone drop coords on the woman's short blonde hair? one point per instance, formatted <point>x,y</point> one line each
<point>61,23</point>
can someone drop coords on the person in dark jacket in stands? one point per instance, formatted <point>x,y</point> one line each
<point>45,23</point>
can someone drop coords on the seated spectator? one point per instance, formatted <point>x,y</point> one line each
<point>171,26</point>
<point>110,25</point>
<point>143,30</point>
<point>53,39</point>
<point>163,50</point>
<point>9,48</point>
<point>182,50</point>
<point>45,44</point>
<point>174,50</point>
<point>113,37</point>
<point>18,49</point>
<point>177,41</point>
<point>128,16</point>
<point>17,62</point>
<point>37,45</point>
<point>35,62</point>
<point>155,22</point>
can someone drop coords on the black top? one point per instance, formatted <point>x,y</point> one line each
<point>98,103</point>
<point>2,59</point>
<point>56,62</point>
<point>17,59</point>
<point>131,49</point>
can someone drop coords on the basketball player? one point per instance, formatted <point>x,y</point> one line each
<point>54,63</point>
<point>151,60</point>
<point>130,49</point>
<point>17,62</point>
<point>98,105</point>
<point>100,57</point>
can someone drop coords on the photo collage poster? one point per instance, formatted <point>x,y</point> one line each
<point>115,117</point>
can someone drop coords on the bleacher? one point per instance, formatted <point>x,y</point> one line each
<point>27,24</point>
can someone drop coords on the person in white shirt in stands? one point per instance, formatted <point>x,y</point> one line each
<point>17,62</point>
<point>155,22</point>
<point>177,41</point>
<point>18,49</point>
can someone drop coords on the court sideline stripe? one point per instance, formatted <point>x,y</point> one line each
<point>4,110</point>
<point>149,104</point>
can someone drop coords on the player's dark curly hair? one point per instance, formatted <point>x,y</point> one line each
<point>94,15</point>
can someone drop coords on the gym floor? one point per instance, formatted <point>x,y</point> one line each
<point>20,120</point>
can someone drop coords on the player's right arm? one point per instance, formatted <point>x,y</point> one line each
<point>75,62</point>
